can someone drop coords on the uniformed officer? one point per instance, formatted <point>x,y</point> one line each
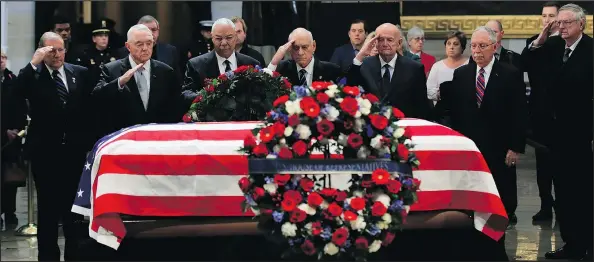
<point>202,43</point>
<point>100,52</point>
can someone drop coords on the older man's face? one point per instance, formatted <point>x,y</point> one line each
<point>389,40</point>
<point>140,46</point>
<point>416,44</point>
<point>224,39</point>
<point>55,58</point>
<point>482,48</point>
<point>569,26</point>
<point>154,29</point>
<point>302,49</point>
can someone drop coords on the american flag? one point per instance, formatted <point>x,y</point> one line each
<point>192,170</point>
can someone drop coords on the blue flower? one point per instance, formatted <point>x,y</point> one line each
<point>229,74</point>
<point>295,180</point>
<point>283,117</point>
<point>326,234</point>
<point>345,205</point>
<point>373,230</point>
<point>269,180</point>
<point>278,216</point>
<point>342,81</point>
<point>347,244</point>
<point>361,91</point>
<point>369,130</point>
<point>250,200</point>
<point>258,67</point>
<point>291,242</point>
<point>301,91</point>
<point>387,155</point>
<point>325,111</point>
<point>396,206</point>
<point>407,181</point>
<point>289,186</point>
<point>389,131</point>
<point>298,240</point>
<point>274,115</point>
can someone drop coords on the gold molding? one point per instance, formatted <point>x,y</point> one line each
<point>515,26</point>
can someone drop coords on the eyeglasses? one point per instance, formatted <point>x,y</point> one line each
<point>58,50</point>
<point>481,46</point>
<point>564,23</point>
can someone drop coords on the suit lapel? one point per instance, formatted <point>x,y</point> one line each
<point>70,79</point>
<point>154,87</point>
<point>493,82</point>
<point>293,74</point>
<point>317,71</point>
<point>213,66</point>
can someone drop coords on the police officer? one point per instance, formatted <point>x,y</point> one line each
<point>99,52</point>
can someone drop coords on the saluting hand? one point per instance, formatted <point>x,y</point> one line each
<point>123,80</point>
<point>544,34</point>
<point>280,53</point>
<point>40,54</point>
<point>367,48</point>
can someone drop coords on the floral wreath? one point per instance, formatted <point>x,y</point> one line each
<point>246,93</point>
<point>317,220</point>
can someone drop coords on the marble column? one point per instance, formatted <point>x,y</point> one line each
<point>18,33</point>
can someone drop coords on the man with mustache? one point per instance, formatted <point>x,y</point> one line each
<point>487,103</point>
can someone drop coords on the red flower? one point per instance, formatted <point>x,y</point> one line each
<point>294,120</point>
<point>309,106</point>
<point>198,99</point>
<point>282,179</point>
<point>394,186</point>
<point>260,150</point>
<point>209,88</point>
<point>275,74</point>
<point>297,216</point>
<point>371,97</point>
<point>328,192</point>
<point>223,77</point>
<point>407,132</point>
<point>287,84</point>
<point>354,140</point>
<point>322,98</point>
<point>267,134</point>
<point>341,196</point>
<point>334,209</point>
<point>288,204</point>
<point>378,209</point>
<point>320,85</point>
<point>397,113</point>
<point>388,238</point>
<point>325,127</point>
<point>314,199</point>
<point>367,183</point>
<point>293,195</point>
<point>340,236</point>
<point>280,101</point>
<point>249,141</point>
<point>380,176</point>
<point>351,90</point>
<point>361,243</point>
<point>258,193</point>
<point>416,183</point>
<point>244,184</point>
<point>349,105</point>
<point>402,151</point>
<point>300,147</point>
<point>285,153</point>
<point>358,203</point>
<point>308,248</point>
<point>279,129</point>
<point>350,215</point>
<point>348,124</point>
<point>316,228</point>
<point>241,69</point>
<point>187,118</point>
<point>378,121</point>
<point>306,184</point>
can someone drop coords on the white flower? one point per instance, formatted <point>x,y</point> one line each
<point>365,111</point>
<point>267,71</point>
<point>358,193</point>
<point>283,141</point>
<point>333,113</point>
<point>363,152</point>
<point>194,115</point>
<point>375,246</point>
<point>289,229</point>
<point>332,87</point>
<point>388,113</point>
<point>276,149</point>
<point>382,225</point>
<point>293,107</point>
<point>271,156</point>
<point>308,228</point>
<point>342,139</point>
<point>288,131</point>
<point>359,124</point>
<point>387,218</point>
<point>303,131</point>
<point>330,249</point>
<point>384,199</point>
<point>339,100</point>
<point>382,151</point>
<point>358,114</point>
<point>376,142</point>
<point>399,132</point>
<point>255,210</point>
<point>330,92</point>
<point>407,142</point>
<point>364,104</point>
<point>324,205</point>
<point>358,224</point>
<point>339,220</point>
<point>307,209</point>
<point>271,188</point>
<point>407,208</point>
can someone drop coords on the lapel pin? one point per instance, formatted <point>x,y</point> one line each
<point>74,80</point>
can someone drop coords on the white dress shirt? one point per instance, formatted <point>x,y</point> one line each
<point>438,74</point>
<point>572,47</point>
<point>51,71</point>
<point>309,69</point>
<point>392,64</point>
<point>488,70</point>
<point>221,62</point>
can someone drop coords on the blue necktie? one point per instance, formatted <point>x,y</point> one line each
<point>61,88</point>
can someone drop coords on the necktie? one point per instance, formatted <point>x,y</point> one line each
<point>227,65</point>
<point>142,87</point>
<point>61,88</point>
<point>386,79</point>
<point>302,77</point>
<point>566,55</point>
<point>480,86</point>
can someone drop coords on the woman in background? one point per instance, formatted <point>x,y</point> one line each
<point>443,70</point>
<point>415,39</point>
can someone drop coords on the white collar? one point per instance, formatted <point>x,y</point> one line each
<point>572,47</point>
<point>487,68</point>
<point>392,62</point>
<point>232,59</point>
<point>147,65</point>
<point>309,68</point>
<point>61,70</point>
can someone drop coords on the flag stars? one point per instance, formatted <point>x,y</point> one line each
<point>87,166</point>
<point>80,192</point>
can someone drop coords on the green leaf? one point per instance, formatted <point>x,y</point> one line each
<point>244,206</point>
<point>255,131</point>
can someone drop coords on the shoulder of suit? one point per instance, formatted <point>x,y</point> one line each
<point>160,64</point>
<point>409,61</point>
<point>246,59</point>
<point>202,57</point>
<point>508,67</point>
<point>76,67</point>
<point>329,65</point>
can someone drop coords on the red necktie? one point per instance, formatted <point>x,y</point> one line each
<point>480,86</point>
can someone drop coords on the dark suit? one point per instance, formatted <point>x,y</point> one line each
<point>569,88</point>
<point>57,140</point>
<point>253,53</point>
<point>163,52</point>
<point>322,71</point>
<point>124,107</point>
<point>343,56</point>
<point>497,126</point>
<point>408,85</point>
<point>206,66</point>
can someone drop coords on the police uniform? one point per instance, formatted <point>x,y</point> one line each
<point>92,58</point>
<point>201,45</point>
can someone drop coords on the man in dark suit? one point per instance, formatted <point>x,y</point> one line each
<point>58,139</point>
<point>222,59</point>
<point>303,68</point>
<point>241,46</point>
<point>137,89</point>
<point>487,104</point>
<point>344,54</point>
<point>567,77</point>
<point>162,52</point>
<point>395,79</point>
<point>541,117</point>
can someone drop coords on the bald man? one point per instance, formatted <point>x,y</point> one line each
<point>397,80</point>
<point>303,68</point>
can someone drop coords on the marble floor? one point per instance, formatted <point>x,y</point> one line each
<point>524,241</point>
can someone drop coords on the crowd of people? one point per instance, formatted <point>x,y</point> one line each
<point>76,97</point>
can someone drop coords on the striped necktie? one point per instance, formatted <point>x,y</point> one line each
<point>480,86</point>
<point>61,88</point>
